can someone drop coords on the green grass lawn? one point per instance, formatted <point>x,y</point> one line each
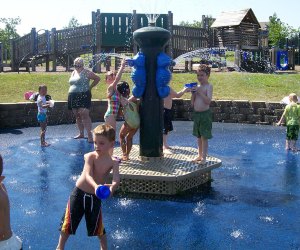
<point>227,85</point>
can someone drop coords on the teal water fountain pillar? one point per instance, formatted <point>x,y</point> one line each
<point>152,41</point>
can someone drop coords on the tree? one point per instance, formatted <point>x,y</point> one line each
<point>278,31</point>
<point>9,31</point>
<point>72,23</point>
<point>194,24</point>
<point>197,24</point>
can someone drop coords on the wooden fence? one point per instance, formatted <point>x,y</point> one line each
<point>109,32</point>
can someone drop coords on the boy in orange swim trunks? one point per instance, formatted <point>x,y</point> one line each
<point>83,200</point>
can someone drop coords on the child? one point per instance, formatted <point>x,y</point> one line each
<point>291,115</point>
<point>42,105</point>
<point>132,119</point>
<point>168,116</point>
<point>110,117</point>
<point>202,116</point>
<point>83,200</point>
<point>8,240</point>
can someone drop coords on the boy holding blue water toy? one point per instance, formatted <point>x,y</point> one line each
<point>202,116</point>
<point>43,104</point>
<point>168,115</point>
<point>84,197</point>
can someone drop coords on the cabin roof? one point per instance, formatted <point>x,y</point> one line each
<point>264,25</point>
<point>234,18</point>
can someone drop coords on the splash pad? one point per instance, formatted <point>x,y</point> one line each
<point>253,200</point>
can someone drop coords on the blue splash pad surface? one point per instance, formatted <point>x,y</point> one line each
<point>253,202</point>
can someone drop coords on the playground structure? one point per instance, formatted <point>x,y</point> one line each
<point>241,32</point>
<point>108,33</point>
<point>237,31</point>
<point>283,59</point>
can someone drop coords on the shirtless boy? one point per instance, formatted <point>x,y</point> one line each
<point>168,116</point>
<point>8,240</point>
<point>83,200</point>
<point>202,116</point>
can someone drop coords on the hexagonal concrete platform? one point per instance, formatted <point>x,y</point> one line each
<point>170,174</point>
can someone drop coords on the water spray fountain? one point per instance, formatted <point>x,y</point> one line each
<point>149,170</point>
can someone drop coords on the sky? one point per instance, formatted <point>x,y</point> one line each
<point>45,15</point>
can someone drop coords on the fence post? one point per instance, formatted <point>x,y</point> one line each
<point>237,56</point>
<point>13,56</point>
<point>34,48</point>
<point>53,48</point>
<point>47,37</point>
<point>170,28</point>
<point>97,39</point>
<point>134,28</point>
<point>1,57</point>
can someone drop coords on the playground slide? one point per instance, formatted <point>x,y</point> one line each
<point>282,60</point>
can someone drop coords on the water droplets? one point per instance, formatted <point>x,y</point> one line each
<point>267,219</point>
<point>200,208</point>
<point>74,177</point>
<point>237,234</point>
<point>42,165</point>
<point>30,212</point>
<point>122,235</point>
<point>281,162</point>
<point>124,202</point>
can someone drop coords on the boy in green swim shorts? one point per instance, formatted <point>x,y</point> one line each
<point>202,116</point>
<point>291,115</point>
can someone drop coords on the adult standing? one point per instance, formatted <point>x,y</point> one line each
<point>80,97</point>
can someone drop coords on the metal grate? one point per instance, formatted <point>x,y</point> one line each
<point>170,174</point>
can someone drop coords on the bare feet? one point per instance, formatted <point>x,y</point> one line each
<point>117,158</point>
<point>90,137</point>
<point>125,158</point>
<point>197,159</point>
<point>203,161</point>
<point>78,136</point>
<point>167,147</point>
<point>45,144</point>
<point>167,151</point>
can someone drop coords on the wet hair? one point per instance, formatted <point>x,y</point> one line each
<point>78,62</point>
<point>1,164</point>
<point>204,68</point>
<point>105,130</point>
<point>42,86</point>
<point>293,97</point>
<point>123,88</point>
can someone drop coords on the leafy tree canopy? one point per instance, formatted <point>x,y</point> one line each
<point>72,23</point>
<point>280,31</point>
<point>9,31</point>
<point>197,24</point>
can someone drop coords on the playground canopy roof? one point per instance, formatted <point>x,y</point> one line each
<point>235,18</point>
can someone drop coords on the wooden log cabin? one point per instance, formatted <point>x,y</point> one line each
<point>237,29</point>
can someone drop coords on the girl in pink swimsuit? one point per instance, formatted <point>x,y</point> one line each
<point>113,96</point>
